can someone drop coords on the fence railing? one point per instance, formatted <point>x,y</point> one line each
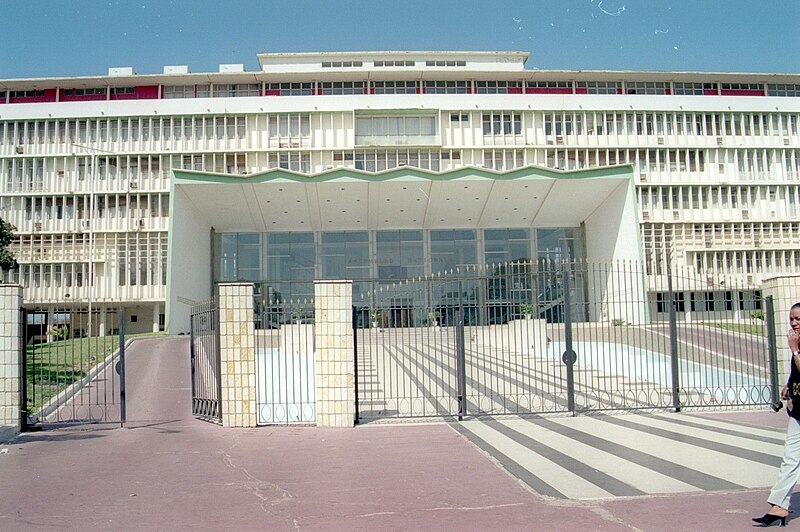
<point>558,336</point>
<point>206,361</point>
<point>284,354</point>
<point>71,375</point>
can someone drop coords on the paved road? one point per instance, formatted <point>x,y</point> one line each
<point>169,470</point>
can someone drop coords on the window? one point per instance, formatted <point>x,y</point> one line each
<point>397,63</point>
<point>600,87</point>
<point>192,162</point>
<point>498,87</point>
<point>289,89</point>
<point>649,87</point>
<point>395,87</point>
<point>682,88</point>
<point>342,87</point>
<point>743,86</point>
<point>462,118</point>
<point>289,125</point>
<point>341,64</point>
<point>502,123</point>
<point>503,160</point>
<point>122,90</point>
<point>708,298</point>
<point>445,87</point>
<point>371,130</point>
<point>296,162</point>
<point>442,63</point>
<point>87,92</point>
<point>783,90</point>
<point>179,91</point>
<point>27,94</point>
<point>553,87</point>
<point>378,161</point>
<point>236,90</point>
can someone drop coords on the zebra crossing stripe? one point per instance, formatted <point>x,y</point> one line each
<point>731,450</point>
<point>518,471</point>
<point>603,480</point>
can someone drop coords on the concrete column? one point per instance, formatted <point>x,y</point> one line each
<point>102,318</point>
<point>156,312</point>
<point>237,351</point>
<point>11,360</point>
<point>334,360</point>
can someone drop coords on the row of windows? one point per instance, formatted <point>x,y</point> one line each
<point>284,125</point>
<point>111,206</point>
<point>130,172</point>
<point>658,123</point>
<point>144,129</point>
<point>384,255</point>
<point>748,262</point>
<point>232,90</point>
<point>144,264</point>
<point>713,301</point>
<point>704,197</point>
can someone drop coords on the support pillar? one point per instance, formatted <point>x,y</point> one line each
<point>237,352</point>
<point>334,359</point>
<point>11,360</point>
<point>156,314</point>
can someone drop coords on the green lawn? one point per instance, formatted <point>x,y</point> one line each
<point>757,329</point>
<point>52,367</point>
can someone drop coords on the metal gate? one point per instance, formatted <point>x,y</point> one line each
<point>284,352</point>
<point>206,361</point>
<point>74,369</point>
<point>552,336</point>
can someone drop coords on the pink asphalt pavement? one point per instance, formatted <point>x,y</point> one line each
<point>167,470</point>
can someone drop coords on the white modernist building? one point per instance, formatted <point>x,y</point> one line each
<point>142,190</point>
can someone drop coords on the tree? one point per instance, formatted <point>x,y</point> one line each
<point>7,260</point>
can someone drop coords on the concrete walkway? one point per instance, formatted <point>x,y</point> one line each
<point>167,470</point>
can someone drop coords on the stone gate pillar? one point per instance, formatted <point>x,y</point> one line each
<point>11,360</point>
<point>237,353</point>
<point>334,360</point>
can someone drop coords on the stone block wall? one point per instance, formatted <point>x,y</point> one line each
<point>237,353</point>
<point>10,362</point>
<point>333,329</point>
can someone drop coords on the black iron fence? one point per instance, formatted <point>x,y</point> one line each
<point>558,336</point>
<point>74,367</point>
<point>206,361</point>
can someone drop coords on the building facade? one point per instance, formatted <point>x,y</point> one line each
<point>379,165</point>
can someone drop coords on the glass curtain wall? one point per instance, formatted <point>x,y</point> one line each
<point>521,267</point>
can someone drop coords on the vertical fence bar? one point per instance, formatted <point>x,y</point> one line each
<point>460,365</point>
<point>23,358</point>
<point>122,367</point>
<point>673,340</point>
<point>217,353</point>
<point>192,358</point>
<point>772,350</point>
<point>569,355</point>
<point>355,363</point>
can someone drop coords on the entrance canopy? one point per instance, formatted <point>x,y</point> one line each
<point>403,198</point>
<point>600,200</point>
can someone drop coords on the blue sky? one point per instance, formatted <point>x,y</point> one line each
<point>84,37</point>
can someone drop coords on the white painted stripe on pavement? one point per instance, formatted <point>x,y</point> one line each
<point>737,470</point>
<point>629,472</point>
<point>563,480</point>
<point>709,434</point>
